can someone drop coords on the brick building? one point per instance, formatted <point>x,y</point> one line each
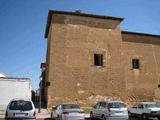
<point>88,55</point>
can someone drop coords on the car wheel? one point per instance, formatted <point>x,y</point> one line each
<point>91,116</point>
<point>158,118</point>
<point>130,115</point>
<point>144,117</point>
<point>58,118</point>
<point>104,118</point>
<point>51,116</point>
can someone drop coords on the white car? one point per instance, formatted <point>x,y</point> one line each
<point>67,111</point>
<point>106,110</point>
<point>20,109</point>
<point>144,110</point>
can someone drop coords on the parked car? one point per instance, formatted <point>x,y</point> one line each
<point>67,111</point>
<point>144,110</point>
<point>20,109</point>
<point>106,110</point>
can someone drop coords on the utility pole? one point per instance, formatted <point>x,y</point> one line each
<point>40,97</point>
<point>41,78</point>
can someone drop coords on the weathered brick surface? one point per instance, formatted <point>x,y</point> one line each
<point>72,42</point>
<point>72,73</point>
<point>140,84</point>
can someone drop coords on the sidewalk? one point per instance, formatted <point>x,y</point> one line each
<point>2,113</point>
<point>43,114</point>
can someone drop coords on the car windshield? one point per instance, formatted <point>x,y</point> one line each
<point>20,105</point>
<point>150,105</point>
<point>70,106</point>
<point>116,105</point>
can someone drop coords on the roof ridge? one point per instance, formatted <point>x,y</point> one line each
<point>140,33</point>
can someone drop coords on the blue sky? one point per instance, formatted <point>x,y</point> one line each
<point>22,26</point>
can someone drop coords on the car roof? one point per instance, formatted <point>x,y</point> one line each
<point>66,104</point>
<point>147,102</point>
<point>115,101</point>
<point>17,99</point>
<point>112,101</point>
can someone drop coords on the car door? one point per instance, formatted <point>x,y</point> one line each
<point>102,109</point>
<point>95,110</point>
<point>54,113</point>
<point>140,109</point>
<point>57,111</point>
<point>133,110</point>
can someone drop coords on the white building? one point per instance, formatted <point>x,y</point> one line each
<point>3,75</point>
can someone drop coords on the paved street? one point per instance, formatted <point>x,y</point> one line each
<point>85,119</point>
<point>112,119</point>
<point>50,119</point>
<point>41,118</point>
<point>44,116</point>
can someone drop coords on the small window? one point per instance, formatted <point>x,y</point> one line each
<point>98,59</point>
<point>135,63</point>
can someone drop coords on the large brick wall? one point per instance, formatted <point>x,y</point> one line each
<point>72,42</point>
<point>141,83</point>
<point>72,73</point>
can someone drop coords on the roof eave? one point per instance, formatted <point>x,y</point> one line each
<point>139,33</point>
<point>77,14</point>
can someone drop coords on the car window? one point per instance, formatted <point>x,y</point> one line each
<point>150,105</point>
<point>135,105</point>
<point>102,105</point>
<point>140,106</point>
<point>58,107</point>
<point>97,106</point>
<point>116,105</point>
<point>70,106</point>
<point>21,105</point>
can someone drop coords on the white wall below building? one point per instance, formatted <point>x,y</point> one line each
<point>12,88</point>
